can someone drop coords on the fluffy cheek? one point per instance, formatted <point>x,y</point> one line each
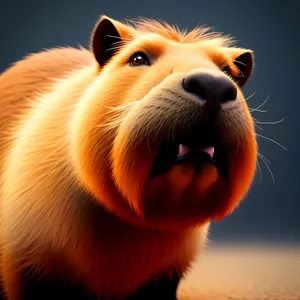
<point>242,169</point>
<point>107,157</point>
<point>132,161</point>
<point>93,131</point>
<point>242,157</point>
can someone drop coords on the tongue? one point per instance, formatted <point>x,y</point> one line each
<point>184,150</point>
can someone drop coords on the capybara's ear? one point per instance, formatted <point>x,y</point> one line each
<point>243,59</point>
<point>107,36</point>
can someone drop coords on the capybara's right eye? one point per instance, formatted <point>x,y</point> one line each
<point>139,59</point>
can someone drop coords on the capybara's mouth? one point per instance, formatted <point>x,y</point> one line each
<point>208,150</point>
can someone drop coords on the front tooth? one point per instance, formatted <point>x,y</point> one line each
<point>210,150</point>
<point>183,150</point>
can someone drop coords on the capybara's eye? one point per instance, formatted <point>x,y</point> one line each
<point>227,70</point>
<point>139,59</point>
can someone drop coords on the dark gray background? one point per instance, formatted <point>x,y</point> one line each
<point>271,212</point>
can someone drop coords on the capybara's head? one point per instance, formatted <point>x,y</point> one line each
<point>163,136</point>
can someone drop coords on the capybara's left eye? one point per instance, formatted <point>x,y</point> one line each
<point>139,59</point>
<point>226,70</point>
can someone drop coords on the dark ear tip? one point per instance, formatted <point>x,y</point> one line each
<point>101,19</point>
<point>103,23</point>
<point>245,63</point>
<point>105,34</point>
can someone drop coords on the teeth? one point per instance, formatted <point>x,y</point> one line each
<point>210,150</point>
<point>184,150</point>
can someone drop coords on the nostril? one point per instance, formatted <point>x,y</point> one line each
<point>193,85</point>
<point>183,85</point>
<point>229,93</point>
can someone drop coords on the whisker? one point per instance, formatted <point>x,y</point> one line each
<point>266,100</point>
<point>113,48</point>
<point>257,110</point>
<point>122,107</point>
<point>114,36</point>
<point>116,45</point>
<point>116,117</point>
<point>260,173</point>
<point>118,37</point>
<point>119,42</point>
<point>271,140</point>
<point>258,126</point>
<point>267,160</point>
<point>261,105</point>
<point>270,171</point>
<point>240,62</point>
<point>248,98</point>
<point>269,122</point>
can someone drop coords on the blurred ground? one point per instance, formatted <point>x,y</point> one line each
<point>232,272</point>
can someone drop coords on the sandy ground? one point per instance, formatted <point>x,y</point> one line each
<point>244,273</point>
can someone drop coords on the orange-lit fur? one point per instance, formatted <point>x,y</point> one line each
<point>75,196</point>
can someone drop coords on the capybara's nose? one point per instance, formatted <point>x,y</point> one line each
<point>214,90</point>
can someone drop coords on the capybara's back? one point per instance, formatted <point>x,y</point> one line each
<point>25,80</point>
<point>115,160</point>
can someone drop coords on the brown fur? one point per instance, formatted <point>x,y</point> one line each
<point>75,164</point>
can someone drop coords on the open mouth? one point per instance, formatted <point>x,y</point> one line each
<point>209,151</point>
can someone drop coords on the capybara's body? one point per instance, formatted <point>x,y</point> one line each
<point>87,191</point>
